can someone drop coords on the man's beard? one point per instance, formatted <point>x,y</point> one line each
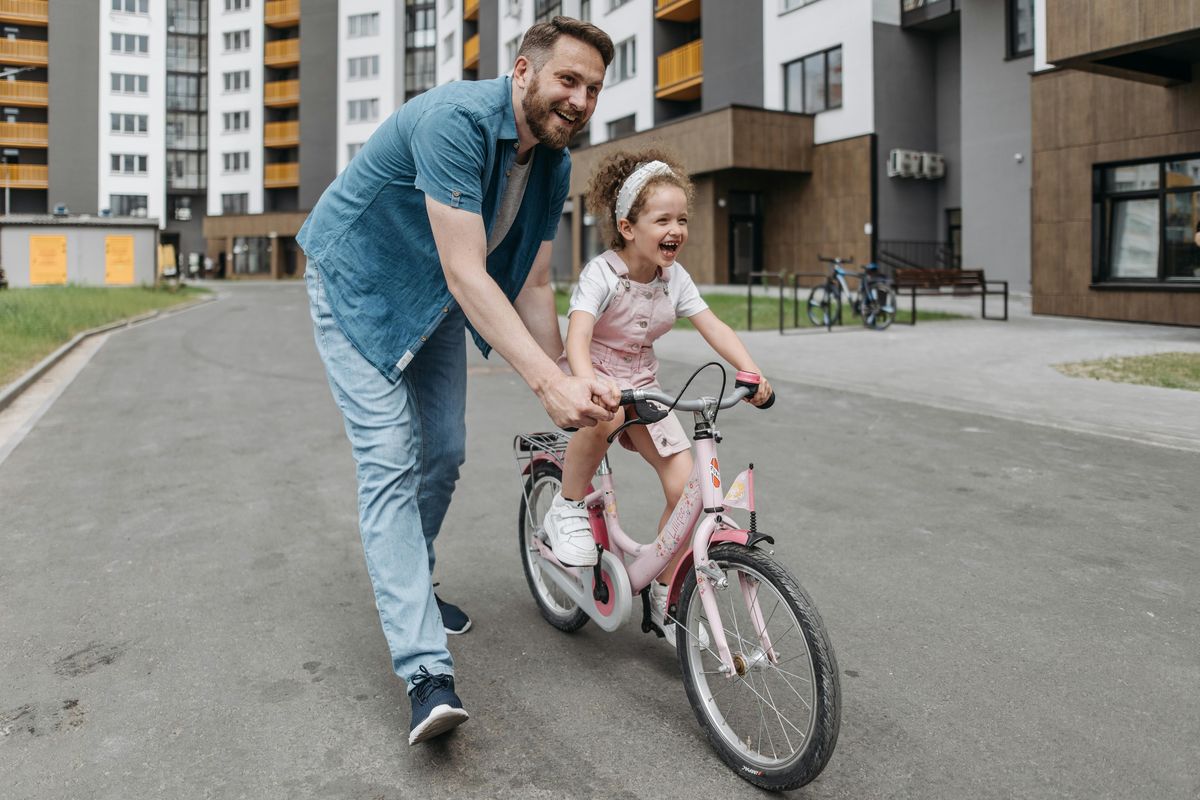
<point>537,117</point>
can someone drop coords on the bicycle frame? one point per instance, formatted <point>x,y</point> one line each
<point>698,513</point>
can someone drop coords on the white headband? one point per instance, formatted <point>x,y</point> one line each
<point>634,184</point>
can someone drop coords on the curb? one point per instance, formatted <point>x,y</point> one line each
<point>11,392</point>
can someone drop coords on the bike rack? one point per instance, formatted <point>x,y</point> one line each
<point>782,277</point>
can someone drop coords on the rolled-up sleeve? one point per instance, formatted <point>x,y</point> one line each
<point>559,198</point>
<point>448,154</point>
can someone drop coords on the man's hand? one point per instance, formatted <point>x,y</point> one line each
<point>579,402</point>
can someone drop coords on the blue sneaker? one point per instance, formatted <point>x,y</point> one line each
<point>435,707</point>
<point>454,619</point>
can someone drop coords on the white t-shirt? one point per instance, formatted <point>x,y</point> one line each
<point>598,286</point>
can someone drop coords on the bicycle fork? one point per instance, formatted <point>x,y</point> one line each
<point>710,579</point>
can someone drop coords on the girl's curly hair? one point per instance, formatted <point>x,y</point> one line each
<point>606,181</point>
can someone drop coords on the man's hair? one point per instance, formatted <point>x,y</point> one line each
<point>538,43</point>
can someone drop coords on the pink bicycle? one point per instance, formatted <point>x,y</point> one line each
<point>756,661</point>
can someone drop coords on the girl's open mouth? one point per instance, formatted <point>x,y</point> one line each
<point>668,250</point>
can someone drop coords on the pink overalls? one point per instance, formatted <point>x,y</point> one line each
<point>623,345</point>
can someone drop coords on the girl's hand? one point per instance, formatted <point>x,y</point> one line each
<point>763,393</point>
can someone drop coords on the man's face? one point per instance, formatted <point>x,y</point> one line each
<point>561,96</point>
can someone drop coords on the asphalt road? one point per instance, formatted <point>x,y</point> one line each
<point>184,610</point>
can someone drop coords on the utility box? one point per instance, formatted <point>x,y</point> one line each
<point>933,166</point>
<point>48,250</point>
<point>904,163</point>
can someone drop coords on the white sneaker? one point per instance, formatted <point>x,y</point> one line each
<point>569,532</point>
<point>658,614</point>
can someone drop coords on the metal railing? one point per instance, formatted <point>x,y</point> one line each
<point>917,255</point>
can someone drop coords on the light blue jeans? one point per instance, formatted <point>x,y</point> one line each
<point>408,439</point>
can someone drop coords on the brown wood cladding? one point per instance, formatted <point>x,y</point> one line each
<point>731,138</point>
<point>1076,28</point>
<point>1080,120</point>
<point>282,223</point>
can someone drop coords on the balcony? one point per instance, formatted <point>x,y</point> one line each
<point>282,13</point>
<point>677,10</point>
<point>681,72</point>
<point>281,94</point>
<point>25,12</point>
<point>24,93</point>
<point>470,9</point>
<point>25,176</point>
<point>281,134</point>
<point>471,53</point>
<point>24,52</point>
<point>929,15</point>
<point>24,134</point>
<point>282,53</point>
<point>281,176</point>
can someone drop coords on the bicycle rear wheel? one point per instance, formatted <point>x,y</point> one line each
<point>879,311</point>
<point>824,307</point>
<point>556,605</point>
<point>776,721</point>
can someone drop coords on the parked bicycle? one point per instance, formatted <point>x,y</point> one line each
<point>756,661</point>
<point>875,301</point>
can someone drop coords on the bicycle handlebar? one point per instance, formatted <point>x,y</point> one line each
<point>743,389</point>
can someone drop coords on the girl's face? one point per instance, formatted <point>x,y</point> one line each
<point>661,229</point>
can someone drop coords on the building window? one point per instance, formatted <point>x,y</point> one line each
<point>622,126</point>
<point>420,51</point>
<point>188,171</point>
<point>514,9</point>
<point>236,162</point>
<point>237,5</point>
<point>1148,215</point>
<point>129,123</point>
<point>236,120</point>
<point>448,47</point>
<point>128,164</point>
<point>186,92</point>
<point>236,41</point>
<point>585,10</point>
<point>187,132</point>
<point>624,63</point>
<point>1020,28</point>
<point>546,10</point>
<point>124,83</point>
<point>352,149</point>
<point>131,6</point>
<point>238,81</point>
<point>613,5</point>
<point>363,67</point>
<point>364,110</point>
<point>186,54</point>
<point>791,5</point>
<point>235,203</point>
<point>127,205</point>
<point>814,83</point>
<point>130,43</point>
<point>363,25</point>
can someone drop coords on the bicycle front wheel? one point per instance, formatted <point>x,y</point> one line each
<point>823,306</point>
<point>880,309</point>
<point>775,722</point>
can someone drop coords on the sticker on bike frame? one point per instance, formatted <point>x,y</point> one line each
<point>714,471</point>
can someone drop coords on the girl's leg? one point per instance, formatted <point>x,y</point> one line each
<point>673,471</point>
<point>568,528</point>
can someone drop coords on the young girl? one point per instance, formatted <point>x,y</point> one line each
<point>626,298</point>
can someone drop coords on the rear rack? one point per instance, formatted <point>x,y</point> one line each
<point>528,447</point>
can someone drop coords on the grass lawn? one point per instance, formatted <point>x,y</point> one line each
<point>732,309</point>
<point>1167,370</point>
<point>35,322</point>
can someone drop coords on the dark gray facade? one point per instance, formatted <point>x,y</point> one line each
<point>996,129</point>
<point>733,38</point>
<point>74,112</point>
<point>489,46</point>
<point>318,98</point>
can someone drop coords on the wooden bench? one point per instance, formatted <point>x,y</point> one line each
<point>930,282</point>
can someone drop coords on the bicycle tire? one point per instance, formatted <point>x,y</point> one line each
<point>824,307</point>
<point>883,307</point>
<point>714,706</point>
<point>545,479</point>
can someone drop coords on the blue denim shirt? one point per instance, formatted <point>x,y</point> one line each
<point>369,233</point>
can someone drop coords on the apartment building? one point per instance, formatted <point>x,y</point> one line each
<point>1116,146</point>
<point>24,98</point>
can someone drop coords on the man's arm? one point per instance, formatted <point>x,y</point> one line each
<point>535,304</point>
<point>462,248</point>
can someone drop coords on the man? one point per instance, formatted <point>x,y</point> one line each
<point>444,219</point>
